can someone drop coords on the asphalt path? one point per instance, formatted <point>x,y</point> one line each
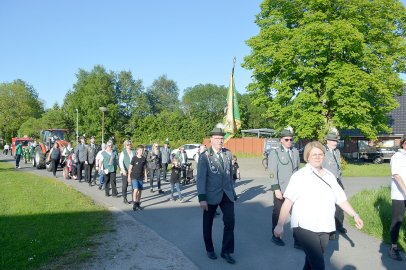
<point>181,225</point>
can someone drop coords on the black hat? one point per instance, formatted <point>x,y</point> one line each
<point>332,136</point>
<point>217,131</point>
<point>286,133</point>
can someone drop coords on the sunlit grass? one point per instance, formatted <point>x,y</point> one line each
<point>42,219</point>
<point>375,208</point>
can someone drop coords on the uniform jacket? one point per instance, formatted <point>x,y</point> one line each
<point>91,153</point>
<point>81,153</point>
<point>333,163</point>
<point>212,179</point>
<point>166,155</point>
<point>281,167</point>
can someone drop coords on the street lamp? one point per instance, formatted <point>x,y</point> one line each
<point>77,126</point>
<point>103,109</point>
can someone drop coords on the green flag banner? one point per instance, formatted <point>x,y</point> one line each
<point>232,120</point>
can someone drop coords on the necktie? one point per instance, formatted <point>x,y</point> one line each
<point>221,159</point>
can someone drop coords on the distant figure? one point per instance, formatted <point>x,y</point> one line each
<point>99,165</point>
<point>154,166</point>
<point>81,157</point>
<point>236,169</point>
<point>398,196</point>
<point>90,161</point>
<point>6,149</point>
<point>124,162</point>
<point>110,162</point>
<point>54,157</point>
<point>165,159</point>
<point>175,179</point>
<point>18,154</point>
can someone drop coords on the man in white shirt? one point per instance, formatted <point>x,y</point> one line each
<point>398,196</point>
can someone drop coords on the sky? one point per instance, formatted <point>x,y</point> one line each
<point>46,42</point>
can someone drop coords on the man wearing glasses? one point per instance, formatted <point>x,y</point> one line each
<point>282,163</point>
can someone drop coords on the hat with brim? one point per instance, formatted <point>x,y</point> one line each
<point>286,133</point>
<point>332,137</point>
<point>217,131</point>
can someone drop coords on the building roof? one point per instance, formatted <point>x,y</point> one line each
<point>398,115</point>
<point>259,132</point>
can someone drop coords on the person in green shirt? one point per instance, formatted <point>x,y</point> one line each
<point>19,152</point>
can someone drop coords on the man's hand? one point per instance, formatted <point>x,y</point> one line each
<point>278,194</point>
<point>204,206</point>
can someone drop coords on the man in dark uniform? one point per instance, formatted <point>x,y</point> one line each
<point>81,157</point>
<point>215,187</point>
<point>91,158</point>
<point>282,163</point>
<point>332,162</point>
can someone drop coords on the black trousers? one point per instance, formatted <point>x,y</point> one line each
<point>80,165</point>
<point>339,214</point>
<point>164,170</point>
<point>54,164</point>
<point>227,207</point>
<point>124,181</point>
<point>398,211</point>
<point>152,174</point>
<point>313,244</point>
<point>18,158</point>
<point>277,205</point>
<point>88,174</point>
<point>111,181</point>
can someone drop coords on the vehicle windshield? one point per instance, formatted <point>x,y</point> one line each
<point>59,134</point>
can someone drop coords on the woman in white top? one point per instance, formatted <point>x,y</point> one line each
<point>398,196</point>
<point>312,193</point>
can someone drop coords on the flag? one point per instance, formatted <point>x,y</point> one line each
<point>232,120</point>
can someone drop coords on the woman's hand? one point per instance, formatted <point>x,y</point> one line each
<point>359,223</point>
<point>278,231</point>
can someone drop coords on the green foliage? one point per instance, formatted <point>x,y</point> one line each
<point>375,208</point>
<point>318,64</point>
<point>18,102</point>
<point>366,170</point>
<point>56,221</point>
<point>163,95</point>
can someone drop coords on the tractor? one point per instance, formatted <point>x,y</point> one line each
<point>41,151</point>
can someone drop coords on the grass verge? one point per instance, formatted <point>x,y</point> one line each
<point>366,170</point>
<point>42,219</point>
<point>375,208</point>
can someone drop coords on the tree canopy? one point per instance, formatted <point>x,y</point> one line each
<point>318,64</point>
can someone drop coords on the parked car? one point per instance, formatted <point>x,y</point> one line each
<point>190,149</point>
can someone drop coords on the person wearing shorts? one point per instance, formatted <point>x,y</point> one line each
<point>136,172</point>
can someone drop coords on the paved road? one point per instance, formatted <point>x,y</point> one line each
<point>181,225</point>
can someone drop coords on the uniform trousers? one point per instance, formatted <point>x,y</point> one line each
<point>339,214</point>
<point>80,166</point>
<point>277,205</point>
<point>313,244</point>
<point>88,173</point>
<point>164,170</point>
<point>124,185</point>
<point>227,207</point>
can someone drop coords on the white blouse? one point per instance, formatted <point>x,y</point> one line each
<point>313,199</point>
<point>398,166</point>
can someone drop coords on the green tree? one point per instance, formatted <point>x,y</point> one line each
<point>253,116</point>
<point>93,90</point>
<point>163,95</point>
<point>327,63</point>
<point>18,102</point>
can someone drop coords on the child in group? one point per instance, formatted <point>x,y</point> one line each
<point>175,179</point>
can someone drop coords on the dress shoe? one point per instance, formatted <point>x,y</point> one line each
<point>228,258</point>
<point>100,187</point>
<point>278,241</point>
<point>342,230</point>
<point>160,191</point>
<point>125,201</point>
<point>211,255</point>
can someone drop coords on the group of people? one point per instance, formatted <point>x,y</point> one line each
<point>311,194</point>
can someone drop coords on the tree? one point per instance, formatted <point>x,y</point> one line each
<point>18,102</point>
<point>163,95</point>
<point>253,116</point>
<point>93,90</point>
<point>318,64</point>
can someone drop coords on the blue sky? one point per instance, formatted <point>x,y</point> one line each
<point>46,42</point>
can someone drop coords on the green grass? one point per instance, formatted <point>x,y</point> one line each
<point>42,219</point>
<point>366,170</point>
<point>375,208</point>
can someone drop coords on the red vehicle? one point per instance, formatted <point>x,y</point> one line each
<point>41,151</point>
<point>24,141</point>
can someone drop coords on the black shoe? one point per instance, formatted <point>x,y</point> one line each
<point>228,258</point>
<point>139,206</point>
<point>152,190</point>
<point>100,187</point>
<point>342,230</point>
<point>278,241</point>
<point>394,254</point>
<point>135,207</point>
<point>160,191</point>
<point>125,201</point>
<point>297,245</point>
<point>211,255</point>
